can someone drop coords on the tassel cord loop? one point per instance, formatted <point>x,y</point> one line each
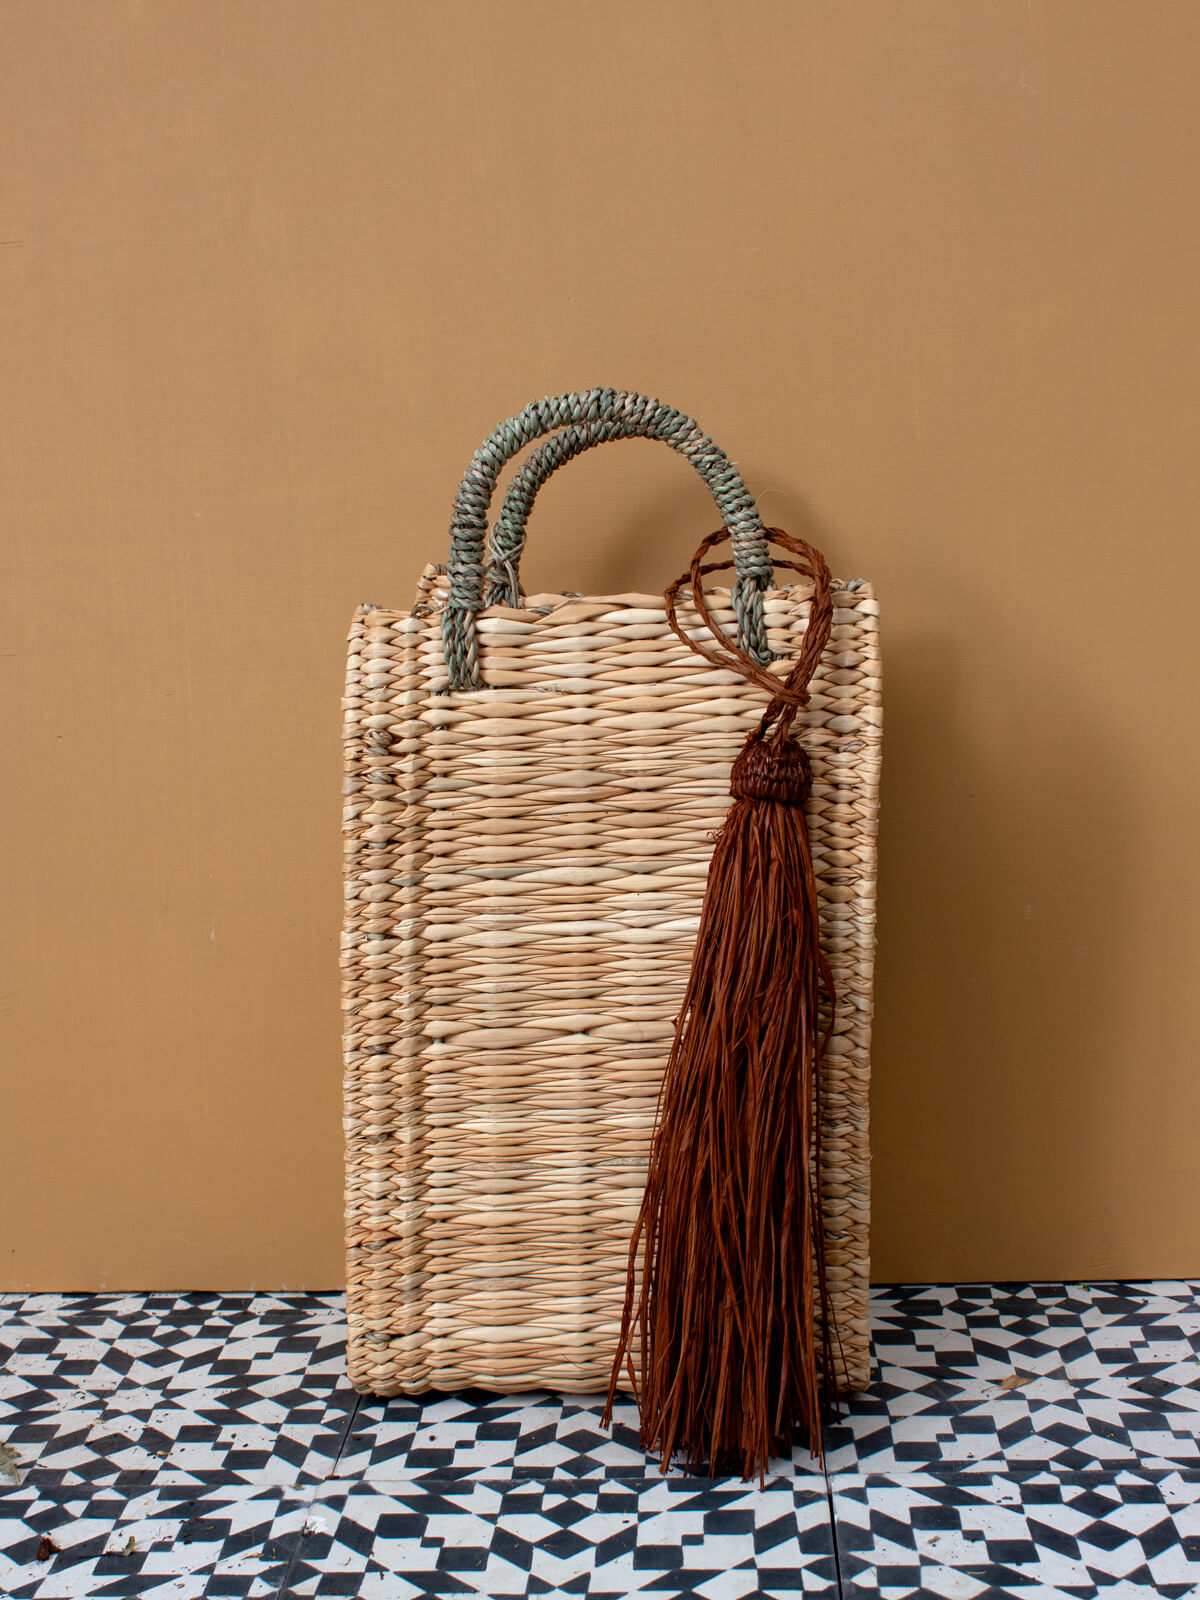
<point>789,694</point>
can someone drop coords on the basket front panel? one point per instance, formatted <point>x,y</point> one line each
<point>524,876</point>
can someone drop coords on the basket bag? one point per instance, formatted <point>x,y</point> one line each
<point>533,788</point>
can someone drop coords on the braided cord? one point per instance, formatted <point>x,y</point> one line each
<point>608,414</point>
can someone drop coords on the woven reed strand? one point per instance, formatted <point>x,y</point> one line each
<point>524,870</point>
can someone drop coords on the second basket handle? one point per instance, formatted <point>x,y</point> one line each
<point>630,414</point>
<point>507,540</point>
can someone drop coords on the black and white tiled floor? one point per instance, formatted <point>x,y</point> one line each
<point>1018,1440</point>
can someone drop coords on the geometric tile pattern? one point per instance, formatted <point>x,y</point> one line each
<point>1017,1439</point>
<point>120,1540</point>
<point>249,1387</point>
<point>1019,1534</point>
<point>476,1434</point>
<point>676,1537</point>
<point>1069,1377</point>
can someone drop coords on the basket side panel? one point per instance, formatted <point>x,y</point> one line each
<point>525,866</point>
<point>846,718</point>
<point>382,962</point>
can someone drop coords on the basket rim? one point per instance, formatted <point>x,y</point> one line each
<point>432,596</point>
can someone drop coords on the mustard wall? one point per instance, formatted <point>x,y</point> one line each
<point>926,269</point>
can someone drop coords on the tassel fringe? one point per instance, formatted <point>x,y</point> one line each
<point>727,1277</point>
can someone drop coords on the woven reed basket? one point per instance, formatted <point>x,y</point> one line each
<point>532,785</point>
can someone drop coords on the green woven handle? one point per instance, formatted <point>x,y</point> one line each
<point>507,540</point>
<point>608,414</point>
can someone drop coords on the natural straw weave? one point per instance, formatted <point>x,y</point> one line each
<point>525,863</point>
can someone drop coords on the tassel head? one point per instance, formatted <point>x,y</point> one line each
<point>771,769</point>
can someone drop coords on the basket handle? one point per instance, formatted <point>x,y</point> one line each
<point>636,416</point>
<point>507,539</point>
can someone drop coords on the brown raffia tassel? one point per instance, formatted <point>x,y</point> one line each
<point>731,1272</point>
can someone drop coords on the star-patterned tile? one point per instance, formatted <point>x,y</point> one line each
<point>182,1385</point>
<point>1018,1439</point>
<point>108,1543</point>
<point>681,1537</point>
<point>480,1435</point>
<point>979,1535</point>
<point>1073,1378</point>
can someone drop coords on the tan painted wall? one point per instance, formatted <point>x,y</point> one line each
<point>927,269</point>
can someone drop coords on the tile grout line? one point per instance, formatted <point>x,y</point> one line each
<point>345,1439</point>
<point>312,1489</point>
<point>833,1538</point>
<point>285,1581</point>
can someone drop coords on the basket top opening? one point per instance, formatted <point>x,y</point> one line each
<point>432,595</point>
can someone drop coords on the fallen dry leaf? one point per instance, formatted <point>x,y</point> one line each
<point>47,1549</point>
<point>1016,1380</point>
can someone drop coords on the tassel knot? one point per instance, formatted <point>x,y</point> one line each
<point>774,769</point>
